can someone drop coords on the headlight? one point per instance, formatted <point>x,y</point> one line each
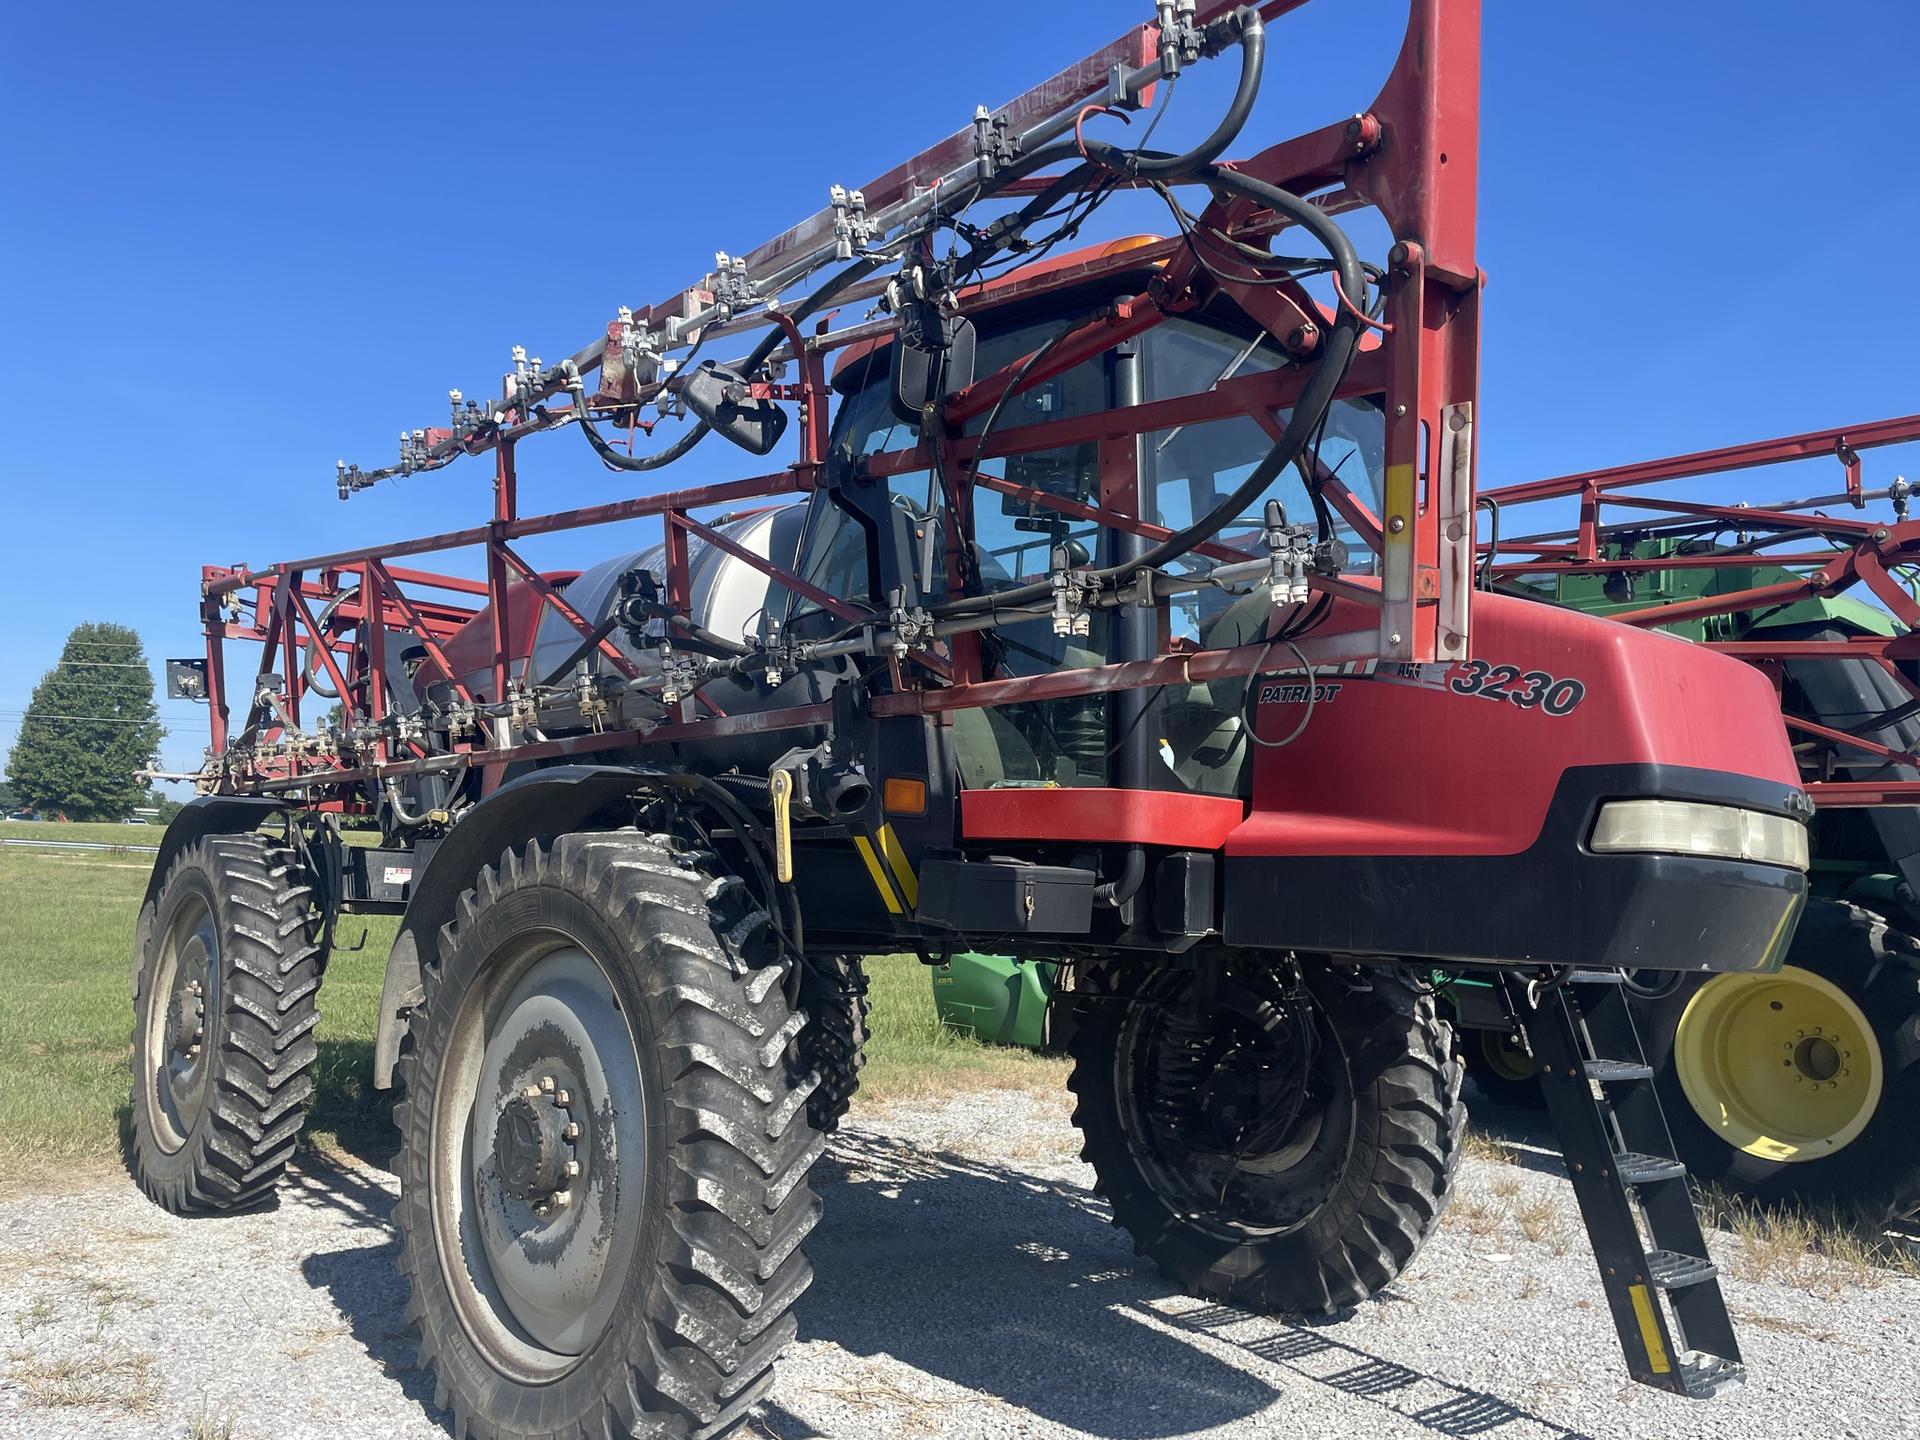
<point>1687,827</point>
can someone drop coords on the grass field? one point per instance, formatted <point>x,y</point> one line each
<point>66,927</point>
<point>103,834</point>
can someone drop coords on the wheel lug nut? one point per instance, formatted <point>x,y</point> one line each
<point>561,1201</point>
<point>563,1097</point>
<point>570,1132</point>
<point>546,1083</point>
<point>532,1092</point>
<point>571,1169</point>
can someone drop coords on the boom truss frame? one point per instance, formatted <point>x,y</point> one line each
<point>1411,155</point>
<point>1852,550</point>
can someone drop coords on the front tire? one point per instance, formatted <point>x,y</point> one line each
<point>605,1146</point>
<point>1279,1142</point>
<point>225,989</point>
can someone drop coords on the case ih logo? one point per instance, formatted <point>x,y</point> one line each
<point>1508,684</point>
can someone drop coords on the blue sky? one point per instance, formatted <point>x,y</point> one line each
<point>242,242</point>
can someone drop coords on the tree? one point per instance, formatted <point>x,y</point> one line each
<point>90,725</point>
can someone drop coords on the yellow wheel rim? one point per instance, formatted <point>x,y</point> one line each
<point>1503,1057</point>
<point>1782,1066</point>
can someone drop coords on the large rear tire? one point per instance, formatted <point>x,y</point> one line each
<point>226,977</point>
<point>1284,1145</point>
<point>1801,1085</point>
<point>605,1146</point>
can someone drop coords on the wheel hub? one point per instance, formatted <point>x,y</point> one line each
<point>1785,1067</point>
<point>541,1195</point>
<point>533,1147</point>
<point>1236,1103</point>
<point>187,1019</point>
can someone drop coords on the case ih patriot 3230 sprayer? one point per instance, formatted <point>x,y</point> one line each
<point>641,821</point>
<point>1793,1084</point>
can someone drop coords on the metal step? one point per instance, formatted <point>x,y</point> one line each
<point>1596,977</point>
<point>1704,1374</point>
<point>1647,1169</point>
<point>1671,1270</point>
<point>1612,1071</point>
<point>1663,1293</point>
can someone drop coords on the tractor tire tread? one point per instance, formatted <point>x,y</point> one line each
<point>735,1146</point>
<point>263,1053</point>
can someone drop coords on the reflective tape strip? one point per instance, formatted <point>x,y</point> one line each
<point>902,871</point>
<point>1650,1329</point>
<point>880,882</point>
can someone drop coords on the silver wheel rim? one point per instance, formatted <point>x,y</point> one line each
<point>536,1285</point>
<point>183,1001</point>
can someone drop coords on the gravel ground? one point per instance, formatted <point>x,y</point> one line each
<point>968,1285</point>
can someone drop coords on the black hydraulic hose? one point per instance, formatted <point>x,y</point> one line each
<point>768,343</point>
<point>1134,163</point>
<point>588,644</point>
<point>639,462</point>
<point>1158,165</point>
<point>712,642</point>
<point>1133,873</point>
<point>1315,398</point>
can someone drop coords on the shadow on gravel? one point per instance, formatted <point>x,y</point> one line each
<point>1432,1403</point>
<point>1523,1131</point>
<point>316,1181</point>
<point>1017,1287</point>
<point>1000,1281</point>
<point>371,1298</point>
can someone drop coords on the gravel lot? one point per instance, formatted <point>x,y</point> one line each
<point>968,1286</point>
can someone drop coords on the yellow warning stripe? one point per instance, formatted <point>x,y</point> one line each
<point>880,882</point>
<point>903,872</point>
<point>1649,1329</point>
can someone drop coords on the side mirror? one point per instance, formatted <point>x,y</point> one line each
<point>926,369</point>
<point>724,399</point>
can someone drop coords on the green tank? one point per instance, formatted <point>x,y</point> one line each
<point>998,999</point>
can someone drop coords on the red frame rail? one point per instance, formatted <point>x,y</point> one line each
<point>1851,550</point>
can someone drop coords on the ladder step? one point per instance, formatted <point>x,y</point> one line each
<point>1596,977</point>
<point>1647,1169</point>
<point>1705,1374</point>
<point>1671,1270</point>
<point>1608,1071</point>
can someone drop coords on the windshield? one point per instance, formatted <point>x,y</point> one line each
<point>1184,473</point>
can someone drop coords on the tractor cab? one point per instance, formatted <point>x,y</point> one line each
<point>886,523</point>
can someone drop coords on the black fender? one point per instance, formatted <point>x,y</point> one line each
<point>203,815</point>
<point>538,805</point>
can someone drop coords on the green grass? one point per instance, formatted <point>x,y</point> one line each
<point>66,932</point>
<point>100,833</point>
<point>911,1054</point>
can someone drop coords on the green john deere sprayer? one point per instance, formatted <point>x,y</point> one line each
<point>1799,1084</point>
